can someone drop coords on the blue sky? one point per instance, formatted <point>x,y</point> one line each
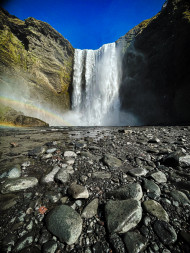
<point>87,24</point>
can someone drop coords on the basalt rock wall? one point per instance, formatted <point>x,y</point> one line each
<point>156,67</point>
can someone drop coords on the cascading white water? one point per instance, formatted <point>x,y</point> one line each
<point>96,85</point>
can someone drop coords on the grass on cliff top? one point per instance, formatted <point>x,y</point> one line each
<point>186,15</point>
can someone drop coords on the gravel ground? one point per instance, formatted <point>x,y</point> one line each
<point>95,189</point>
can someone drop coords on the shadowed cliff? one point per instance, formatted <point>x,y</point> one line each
<point>156,67</point>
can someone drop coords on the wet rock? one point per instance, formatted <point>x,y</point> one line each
<point>172,160</point>
<point>49,247</point>
<point>122,215</point>
<point>117,243</point>
<point>154,208</point>
<point>50,176</point>
<point>101,175</point>
<point>62,176</point>
<point>18,184</point>
<point>165,232</point>
<point>53,197</point>
<point>69,154</point>
<point>159,177</point>
<point>51,150</point>
<point>137,172</point>
<point>185,235</point>
<point>111,161</point>
<point>36,151</point>
<point>152,189</point>
<point>90,210</point>
<point>7,201</point>
<point>184,161</point>
<point>15,172</point>
<point>24,242</point>
<point>154,140</point>
<point>135,242</point>
<point>180,197</point>
<point>65,223</point>
<point>97,248</point>
<point>131,191</point>
<point>78,191</point>
<point>89,155</point>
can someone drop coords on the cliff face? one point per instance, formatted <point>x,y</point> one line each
<point>156,67</point>
<point>35,64</point>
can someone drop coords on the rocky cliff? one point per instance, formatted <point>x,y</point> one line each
<point>156,67</point>
<point>35,65</point>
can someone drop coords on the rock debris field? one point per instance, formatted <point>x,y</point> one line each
<point>106,189</point>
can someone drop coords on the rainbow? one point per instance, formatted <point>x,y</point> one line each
<point>34,111</point>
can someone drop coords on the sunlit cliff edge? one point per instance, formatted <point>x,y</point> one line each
<point>35,65</point>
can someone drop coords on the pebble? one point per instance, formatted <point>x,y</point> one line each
<point>128,192</point>
<point>138,172</point>
<point>90,210</point>
<point>172,160</point>
<point>159,177</point>
<point>180,197</point>
<point>23,242</point>
<point>122,215</point>
<point>51,150</point>
<point>111,161</point>
<point>184,161</point>
<point>165,232</point>
<point>65,223</point>
<point>117,243</point>
<point>78,191</point>
<point>7,201</point>
<point>101,175</point>
<point>49,247</point>
<point>50,176</point>
<point>154,208</point>
<point>62,176</point>
<point>14,172</point>
<point>18,184</point>
<point>135,242</point>
<point>69,154</point>
<point>152,189</point>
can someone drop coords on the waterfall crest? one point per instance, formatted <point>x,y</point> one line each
<point>96,80</point>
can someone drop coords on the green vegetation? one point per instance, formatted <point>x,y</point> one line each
<point>186,15</point>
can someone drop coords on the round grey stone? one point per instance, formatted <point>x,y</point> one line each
<point>131,191</point>
<point>14,173</point>
<point>122,215</point>
<point>65,223</point>
<point>159,177</point>
<point>154,208</point>
<point>165,232</point>
<point>90,210</point>
<point>78,191</point>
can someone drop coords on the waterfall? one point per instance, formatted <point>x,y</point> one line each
<point>96,80</point>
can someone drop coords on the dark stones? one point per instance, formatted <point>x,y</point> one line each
<point>122,215</point>
<point>117,243</point>
<point>135,242</point>
<point>155,209</point>
<point>65,223</point>
<point>111,161</point>
<point>172,160</point>
<point>131,191</point>
<point>165,232</point>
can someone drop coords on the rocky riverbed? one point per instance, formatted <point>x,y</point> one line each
<point>95,189</point>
